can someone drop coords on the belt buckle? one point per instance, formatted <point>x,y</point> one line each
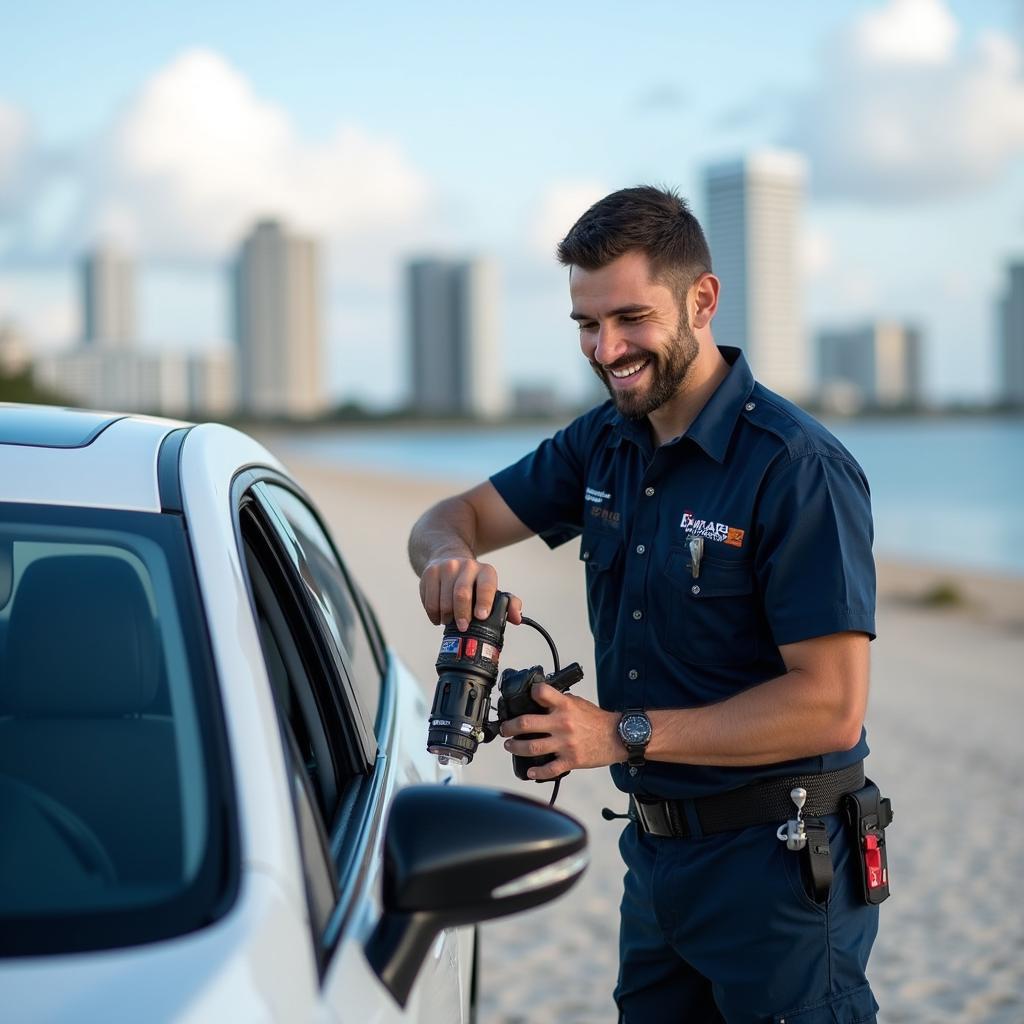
<point>653,818</point>
<point>638,813</point>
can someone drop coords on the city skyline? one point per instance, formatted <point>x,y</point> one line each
<point>909,114</point>
<point>451,337</point>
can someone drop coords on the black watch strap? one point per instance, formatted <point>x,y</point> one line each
<point>636,750</point>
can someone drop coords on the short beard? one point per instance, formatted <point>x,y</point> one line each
<point>669,369</point>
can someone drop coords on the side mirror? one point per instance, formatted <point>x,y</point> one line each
<point>456,856</point>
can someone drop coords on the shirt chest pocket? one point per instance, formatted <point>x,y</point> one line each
<point>712,618</point>
<point>601,554</point>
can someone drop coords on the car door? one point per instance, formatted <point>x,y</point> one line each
<point>348,722</point>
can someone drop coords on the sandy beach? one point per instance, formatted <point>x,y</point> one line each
<point>944,723</point>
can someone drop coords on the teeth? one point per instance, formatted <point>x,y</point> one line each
<point>629,370</point>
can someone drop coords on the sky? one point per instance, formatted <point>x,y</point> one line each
<point>391,131</point>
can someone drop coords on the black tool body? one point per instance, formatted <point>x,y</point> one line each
<point>516,699</point>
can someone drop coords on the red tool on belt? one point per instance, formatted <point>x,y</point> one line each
<point>868,814</point>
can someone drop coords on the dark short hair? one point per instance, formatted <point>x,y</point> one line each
<point>654,221</point>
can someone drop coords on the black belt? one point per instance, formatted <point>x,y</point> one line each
<point>760,803</point>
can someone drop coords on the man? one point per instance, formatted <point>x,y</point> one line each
<point>727,542</point>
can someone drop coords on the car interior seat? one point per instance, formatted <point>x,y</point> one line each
<point>78,686</point>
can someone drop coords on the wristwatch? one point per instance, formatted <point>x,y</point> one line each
<point>635,732</point>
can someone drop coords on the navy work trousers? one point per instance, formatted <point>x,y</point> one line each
<point>722,928</point>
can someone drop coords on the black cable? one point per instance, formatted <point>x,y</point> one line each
<point>547,636</point>
<point>527,621</point>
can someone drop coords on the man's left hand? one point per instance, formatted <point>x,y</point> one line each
<point>577,732</point>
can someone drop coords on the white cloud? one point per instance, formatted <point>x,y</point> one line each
<point>902,113</point>
<point>560,206</point>
<point>906,32</point>
<point>197,155</point>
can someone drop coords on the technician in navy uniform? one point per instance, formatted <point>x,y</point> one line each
<point>726,539</point>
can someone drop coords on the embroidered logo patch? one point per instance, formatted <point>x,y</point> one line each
<point>597,499</point>
<point>710,530</point>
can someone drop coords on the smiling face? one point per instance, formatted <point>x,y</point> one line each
<point>634,331</point>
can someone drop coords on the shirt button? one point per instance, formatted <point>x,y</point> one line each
<point>633,674</point>
<point>649,491</point>
<point>750,406</point>
<point>637,614</point>
<point>640,549</point>
<point>586,555</point>
<point>695,589</point>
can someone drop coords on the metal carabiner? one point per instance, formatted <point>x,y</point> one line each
<point>793,833</point>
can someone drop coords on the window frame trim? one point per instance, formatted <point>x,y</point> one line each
<point>368,620</point>
<point>330,688</point>
<point>347,690</point>
<point>290,648</point>
<point>362,798</point>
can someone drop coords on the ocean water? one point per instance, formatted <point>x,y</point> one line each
<point>944,491</point>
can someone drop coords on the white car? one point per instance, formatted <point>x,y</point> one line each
<point>216,802</point>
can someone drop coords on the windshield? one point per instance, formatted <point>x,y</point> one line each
<point>111,763</point>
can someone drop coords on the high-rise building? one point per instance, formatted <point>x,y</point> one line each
<point>1011,308</point>
<point>753,226</point>
<point>108,299</point>
<point>212,382</point>
<point>452,314</point>
<point>876,364</point>
<point>108,371</point>
<point>169,383</point>
<point>278,323</point>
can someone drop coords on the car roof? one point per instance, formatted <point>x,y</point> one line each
<point>56,456</point>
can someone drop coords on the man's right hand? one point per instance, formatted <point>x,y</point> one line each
<point>443,547</point>
<point>462,589</point>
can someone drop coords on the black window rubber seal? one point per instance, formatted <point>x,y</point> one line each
<point>168,470</point>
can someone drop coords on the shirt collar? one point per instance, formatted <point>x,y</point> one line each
<point>713,428</point>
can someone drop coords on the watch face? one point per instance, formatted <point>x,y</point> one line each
<point>635,729</point>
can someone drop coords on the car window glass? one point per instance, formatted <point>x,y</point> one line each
<point>284,644</point>
<point>329,585</point>
<point>315,778</point>
<point>104,766</point>
<point>317,868</point>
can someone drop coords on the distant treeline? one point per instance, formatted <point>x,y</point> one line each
<point>20,387</point>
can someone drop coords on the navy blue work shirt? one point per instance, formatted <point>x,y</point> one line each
<point>784,514</point>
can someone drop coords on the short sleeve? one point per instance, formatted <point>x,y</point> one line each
<point>545,488</point>
<point>813,559</point>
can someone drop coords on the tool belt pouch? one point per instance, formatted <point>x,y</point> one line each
<point>867,815</point>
